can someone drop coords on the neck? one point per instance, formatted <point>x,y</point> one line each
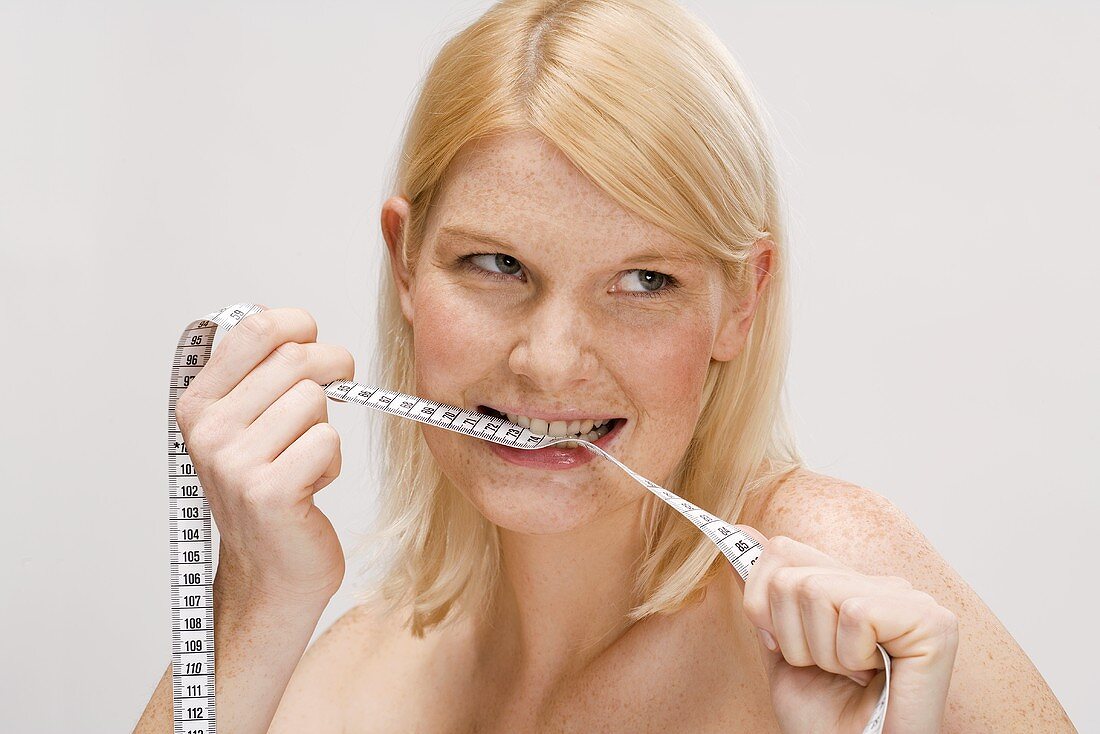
<point>564,598</point>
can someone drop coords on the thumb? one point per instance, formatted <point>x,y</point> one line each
<point>765,640</point>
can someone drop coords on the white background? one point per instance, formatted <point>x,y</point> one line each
<point>161,160</point>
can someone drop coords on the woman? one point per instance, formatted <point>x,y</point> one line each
<point>587,239</point>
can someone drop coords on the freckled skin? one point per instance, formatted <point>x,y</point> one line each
<point>566,329</point>
<point>563,335</point>
<point>565,332</point>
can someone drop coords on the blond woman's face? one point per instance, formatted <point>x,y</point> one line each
<point>569,304</point>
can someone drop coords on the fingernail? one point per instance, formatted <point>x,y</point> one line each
<point>863,678</point>
<point>767,639</point>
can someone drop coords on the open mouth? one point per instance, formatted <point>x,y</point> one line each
<point>593,433</point>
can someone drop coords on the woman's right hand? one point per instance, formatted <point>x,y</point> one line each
<point>255,420</point>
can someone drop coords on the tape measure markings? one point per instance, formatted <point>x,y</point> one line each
<point>191,527</point>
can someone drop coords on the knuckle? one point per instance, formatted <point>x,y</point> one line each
<point>308,318</point>
<point>328,435</point>
<point>186,410</point>
<point>922,598</point>
<point>899,581</point>
<point>852,612</point>
<point>813,588</point>
<point>780,584</point>
<point>310,390</point>
<point>945,623</point>
<point>781,544</point>
<point>291,354</point>
<point>783,579</point>
<point>204,436</point>
<point>258,328</point>
<point>348,362</point>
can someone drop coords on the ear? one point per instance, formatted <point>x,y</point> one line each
<point>736,318</point>
<point>395,215</point>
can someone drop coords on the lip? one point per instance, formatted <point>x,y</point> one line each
<point>555,457</point>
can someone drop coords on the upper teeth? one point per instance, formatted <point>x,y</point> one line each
<point>588,429</point>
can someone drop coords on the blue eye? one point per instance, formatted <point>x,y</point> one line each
<point>498,259</point>
<point>509,267</point>
<point>653,278</point>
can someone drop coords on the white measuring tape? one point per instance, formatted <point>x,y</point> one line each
<point>194,710</point>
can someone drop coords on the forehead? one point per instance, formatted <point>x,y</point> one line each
<point>523,189</point>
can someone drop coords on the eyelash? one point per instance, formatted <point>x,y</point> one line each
<point>671,283</point>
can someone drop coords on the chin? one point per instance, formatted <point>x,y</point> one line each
<point>544,507</point>
<point>532,501</point>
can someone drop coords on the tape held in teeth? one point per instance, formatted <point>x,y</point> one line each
<point>738,547</point>
<point>605,427</point>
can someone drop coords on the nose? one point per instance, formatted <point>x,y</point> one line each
<point>553,351</point>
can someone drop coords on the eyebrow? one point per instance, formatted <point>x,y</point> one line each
<point>644,256</point>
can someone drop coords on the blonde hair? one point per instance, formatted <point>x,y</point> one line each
<point>645,100</point>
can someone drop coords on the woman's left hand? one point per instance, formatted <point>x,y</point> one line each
<point>824,620</point>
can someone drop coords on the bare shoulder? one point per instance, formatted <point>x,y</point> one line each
<point>994,686</point>
<point>855,525</point>
<point>363,660</point>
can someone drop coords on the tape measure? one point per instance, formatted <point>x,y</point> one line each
<point>191,528</point>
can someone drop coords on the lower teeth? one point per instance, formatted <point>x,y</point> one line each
<point>599,433</point>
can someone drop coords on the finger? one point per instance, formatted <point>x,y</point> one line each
<point>817,591</point>
<point>908,623</point>
<point>779,551</point>
<point>245,346</point>
<point>288,364</point>
<point>307,460</point>
<point>285,420</point>
<point>804,603</point>
<point>788,588</point>
<point>331,472</point>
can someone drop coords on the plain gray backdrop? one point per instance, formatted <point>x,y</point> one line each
<point>161,160</point>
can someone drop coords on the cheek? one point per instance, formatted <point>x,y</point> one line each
<point>452,351</point>
<point>666,367</point>
<point>665,380</point>
<point>449,344</point>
